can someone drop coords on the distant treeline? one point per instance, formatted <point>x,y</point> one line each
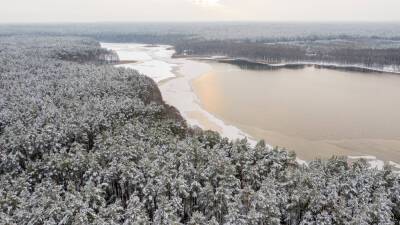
<point>365,44</point>
<point>369,57</point>
<point>251,31</point>
<point>291,52</point>
<point>272,53</point>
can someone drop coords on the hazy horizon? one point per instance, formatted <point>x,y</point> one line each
<point>118,11</point>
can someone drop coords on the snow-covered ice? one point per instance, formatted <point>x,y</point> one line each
<point>156,69</point>
<point>152,61</point>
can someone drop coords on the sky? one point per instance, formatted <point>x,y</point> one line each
<point>31,11</point>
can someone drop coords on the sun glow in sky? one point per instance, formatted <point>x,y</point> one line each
<point>198,10</point>
<point>207,2</point>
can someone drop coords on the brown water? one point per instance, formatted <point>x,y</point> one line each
<point>316,112</point>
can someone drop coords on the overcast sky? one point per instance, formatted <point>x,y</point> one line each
<point>197,10</point>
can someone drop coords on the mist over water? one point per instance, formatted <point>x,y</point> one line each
<point>316,112</point>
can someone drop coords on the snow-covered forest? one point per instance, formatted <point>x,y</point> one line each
<point>83,142</point>
<point>372,45</point>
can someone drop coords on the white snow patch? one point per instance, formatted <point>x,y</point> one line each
<point>367,157</point>
<point>218,57</point>
<point>156,69</point>
<point>164,52</point>
<point>377,164</point>
<point>395,165</point>
<point>301,162</point>
<point>152,61</point>
<point>136,56</point>
<point>374,162</point>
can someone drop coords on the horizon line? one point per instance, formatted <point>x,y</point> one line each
<point>200,21</point>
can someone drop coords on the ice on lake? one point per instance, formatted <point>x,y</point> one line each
<point>156,69</point>
<point>152,61</point>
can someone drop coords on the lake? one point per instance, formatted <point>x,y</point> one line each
<point>316,112</point>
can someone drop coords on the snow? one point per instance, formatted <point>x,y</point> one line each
<point>164,52</point>
<point>376,164</point>
<point>301,162</point>
<point>229,131</point>
<point>152,61</point>
<point>129,55</point>
<point>395,165</point>
<point>156,69</point>
<point>178,92</point>
<point>372,161</point>
<point>368,157</point>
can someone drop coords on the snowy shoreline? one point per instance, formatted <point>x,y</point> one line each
<point>323,65</point>
<point>174,76</point>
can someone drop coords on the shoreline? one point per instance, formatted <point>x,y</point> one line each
<point>174,78</point>
<point>190,107</point>
<point>262,65</point>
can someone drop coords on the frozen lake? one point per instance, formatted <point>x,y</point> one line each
<point>316,112</point>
